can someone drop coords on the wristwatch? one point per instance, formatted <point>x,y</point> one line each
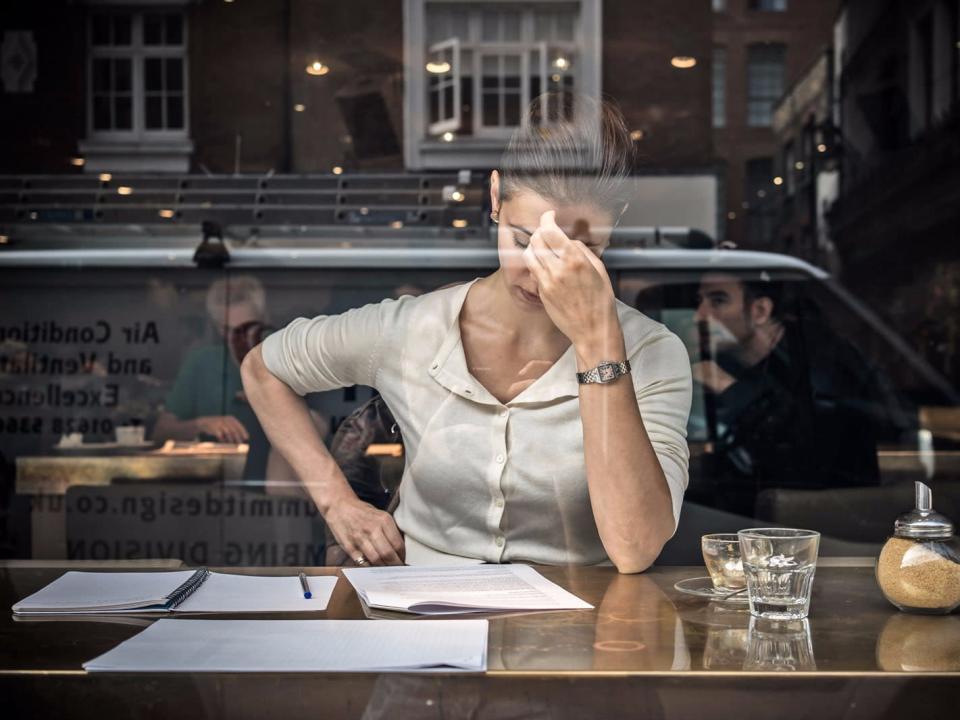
<point>607,371</point>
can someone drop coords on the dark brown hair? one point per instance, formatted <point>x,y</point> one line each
<point>570,149</point>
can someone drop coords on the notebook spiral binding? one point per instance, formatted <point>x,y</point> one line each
<point>187,588</point>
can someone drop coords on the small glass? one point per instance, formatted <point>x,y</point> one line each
<point>779,564</point>
<point>779,645</point>
<point>721,555</point>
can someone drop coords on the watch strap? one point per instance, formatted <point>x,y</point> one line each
<point>606,371</point>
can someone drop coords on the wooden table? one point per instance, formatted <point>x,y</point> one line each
<point>645,651</point>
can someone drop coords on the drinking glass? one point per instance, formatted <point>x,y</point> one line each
<point>721,555</point>
<point>779,564</point>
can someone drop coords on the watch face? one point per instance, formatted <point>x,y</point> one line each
<point>607,372</point>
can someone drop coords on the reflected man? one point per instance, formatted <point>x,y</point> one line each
<point>207,400</point>
<point>793,403</point>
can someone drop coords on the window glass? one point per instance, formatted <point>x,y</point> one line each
<point>122,29</point>
<point>765,81</point>
<point>719,86</point>
<point>148,41</point>
<point>769,5</point>
<point>152,29</point>
<point>759,202</point>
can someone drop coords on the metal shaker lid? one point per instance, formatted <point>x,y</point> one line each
<point>923,521</point>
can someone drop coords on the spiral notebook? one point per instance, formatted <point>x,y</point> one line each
<point>199,591</point>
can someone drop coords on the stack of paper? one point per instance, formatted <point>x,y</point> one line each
<point>454,590</point>
<point>300,646</point>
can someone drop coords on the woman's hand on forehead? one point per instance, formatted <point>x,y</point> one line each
<point>556,237</point>
<point>573,284</point>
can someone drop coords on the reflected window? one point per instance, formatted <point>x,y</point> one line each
<point>758,200</point>
<point>719,87</point>
<point>768,5</point>
<point>765,81</point>
<point>484,64</point>
<point>789,168</point>
<point>925,63</point>
<point>137,75</point>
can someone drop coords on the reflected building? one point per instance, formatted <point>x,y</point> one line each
<point>760,48</point>
<point>309,87</point>
<point>895,220</point>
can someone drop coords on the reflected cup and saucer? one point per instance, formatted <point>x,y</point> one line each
<point>703,587</point>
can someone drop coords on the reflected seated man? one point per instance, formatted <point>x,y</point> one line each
<point>207,401</point>
<point>795,405</point>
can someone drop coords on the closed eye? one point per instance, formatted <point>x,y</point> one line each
<point>521,236</point>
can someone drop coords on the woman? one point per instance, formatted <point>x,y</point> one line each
<point>511,455</point>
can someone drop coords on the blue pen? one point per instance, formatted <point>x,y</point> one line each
<point>306,588</point>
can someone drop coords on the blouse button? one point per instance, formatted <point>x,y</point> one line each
<point>499,458</point>
<point>499,542</point>
<point>503,413</point>
<point>499,502</point>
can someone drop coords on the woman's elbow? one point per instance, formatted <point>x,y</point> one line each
<point>634,563</point>
<point>253,370</point>
<point>640,557</point>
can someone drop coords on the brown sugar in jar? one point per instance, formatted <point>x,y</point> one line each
<point>915,575</point>
<point>919,567</point>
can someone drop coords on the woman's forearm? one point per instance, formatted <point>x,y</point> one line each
<point>628,489</point>
<point>287,423</point>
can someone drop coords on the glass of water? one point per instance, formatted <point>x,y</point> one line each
<point>779,564</point>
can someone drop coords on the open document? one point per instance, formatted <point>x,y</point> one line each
<point>198,591</point>
<point>453,590</point>
<point>178,645</point>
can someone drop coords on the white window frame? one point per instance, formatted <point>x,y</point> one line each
<point>453,123</point>
<point>137,52</point>
<point>498,51</point>
<point>422,149</point>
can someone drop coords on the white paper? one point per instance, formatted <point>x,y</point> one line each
<point>450,590</point>
<point>102,592</point>
<point>223,593</point>
<point>178,645</point>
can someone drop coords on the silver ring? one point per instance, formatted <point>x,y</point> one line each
<point>360,560</point>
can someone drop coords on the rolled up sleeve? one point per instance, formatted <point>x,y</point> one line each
<point>664,389</point>
<point>330,351</point>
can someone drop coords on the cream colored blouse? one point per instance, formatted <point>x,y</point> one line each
<point>483,480</point>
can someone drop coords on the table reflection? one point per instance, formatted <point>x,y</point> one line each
<point>638,628</point>
<point>919,643</point>
<point>779,645</point>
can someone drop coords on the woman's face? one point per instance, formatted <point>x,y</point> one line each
<point>519,217</point>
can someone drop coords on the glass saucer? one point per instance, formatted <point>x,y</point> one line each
<point>702,587</point>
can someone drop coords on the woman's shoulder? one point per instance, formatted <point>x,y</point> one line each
<point>639,329</point>
<point>435,305</point>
